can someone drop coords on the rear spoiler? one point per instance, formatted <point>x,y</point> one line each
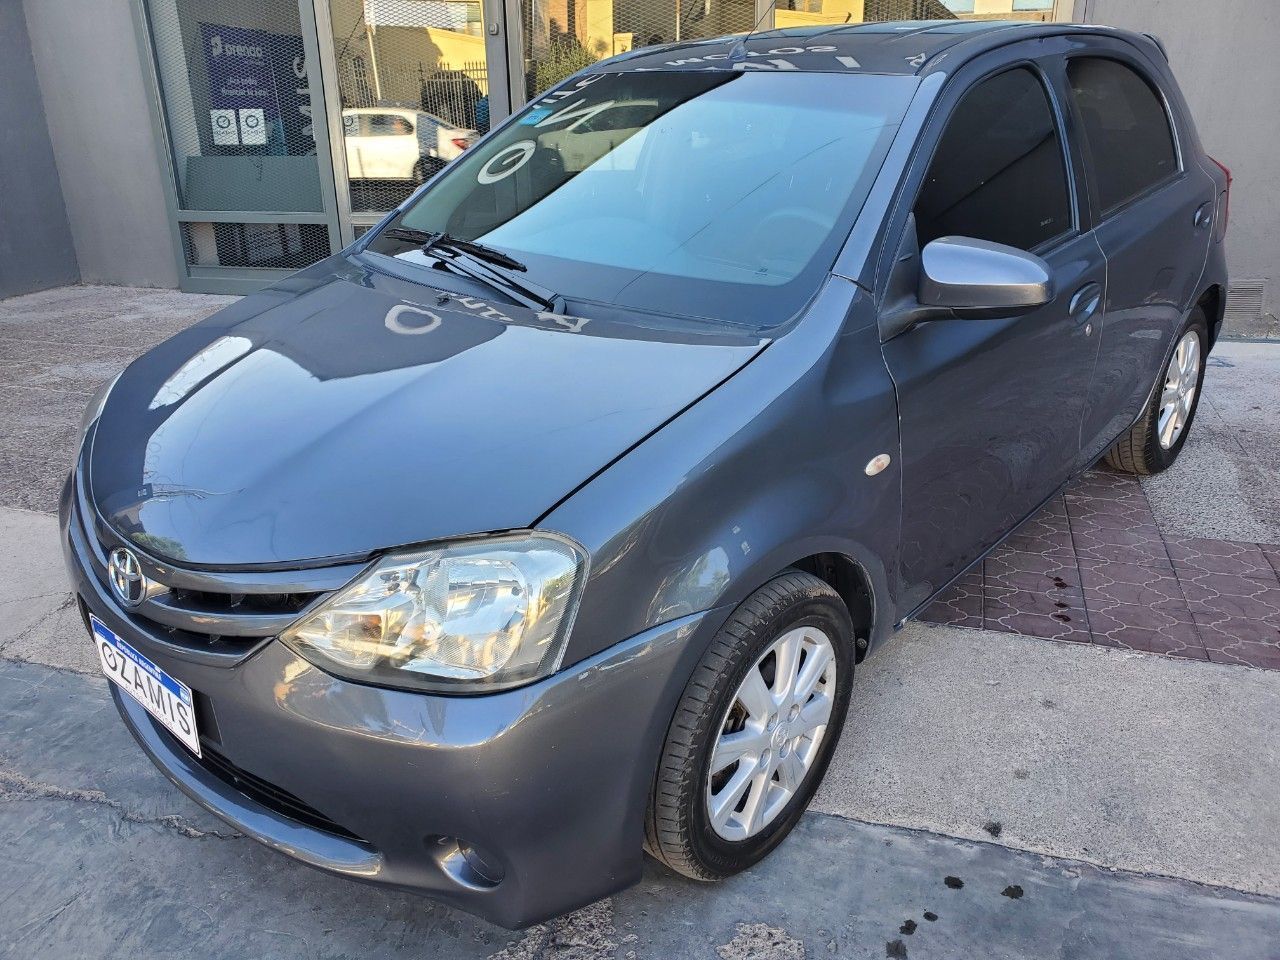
<point>1159,45</point>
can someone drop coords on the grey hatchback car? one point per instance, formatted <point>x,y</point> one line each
<point>547,524</point>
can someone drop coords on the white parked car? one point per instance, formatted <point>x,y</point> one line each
<point>397,143</point>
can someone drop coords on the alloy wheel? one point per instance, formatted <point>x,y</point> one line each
<point>771,733</point>
<point>1179,394</point>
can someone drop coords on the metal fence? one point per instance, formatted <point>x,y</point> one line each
<point>458,94</point>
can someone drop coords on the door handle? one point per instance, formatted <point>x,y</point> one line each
<point>1085,301</point>
<point>1204,214</point>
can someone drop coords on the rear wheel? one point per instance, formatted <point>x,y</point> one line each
<point>1154,442</point>
<point>754,731</point>
<point>425,169</point>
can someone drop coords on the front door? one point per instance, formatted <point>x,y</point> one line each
<point>990,409</point>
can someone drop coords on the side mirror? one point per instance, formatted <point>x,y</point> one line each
<point>977,278</point>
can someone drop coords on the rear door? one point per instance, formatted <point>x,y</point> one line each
<point>1153,207</point>
<point>389,149</point>
<point>990,409</point>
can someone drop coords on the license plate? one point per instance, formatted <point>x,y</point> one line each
<point>166,699</point>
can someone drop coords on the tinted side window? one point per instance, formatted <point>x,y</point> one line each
<point>1126,127</point>
<point>388,125</point>
<point>998,173</point>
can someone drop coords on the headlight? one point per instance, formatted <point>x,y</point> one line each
<point>464,617</point>
<point>94,409</point>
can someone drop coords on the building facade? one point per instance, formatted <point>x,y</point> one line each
<point>216,145</point>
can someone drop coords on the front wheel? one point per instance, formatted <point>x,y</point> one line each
<point>1154,442</point>
<point>754,731</point>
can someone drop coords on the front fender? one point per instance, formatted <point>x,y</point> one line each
<point>764,471</point>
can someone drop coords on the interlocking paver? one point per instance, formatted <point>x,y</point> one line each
<point>1193,557</point>
<point>961,606</point>
<point>1048,532</point>
<point>1133,627</point>
<point>1093,567</point>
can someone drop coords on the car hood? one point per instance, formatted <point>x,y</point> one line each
<point>347,411</point>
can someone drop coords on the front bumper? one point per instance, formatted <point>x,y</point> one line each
<point>550,781</point>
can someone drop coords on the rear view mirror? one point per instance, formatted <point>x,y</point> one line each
<point>977,277</point>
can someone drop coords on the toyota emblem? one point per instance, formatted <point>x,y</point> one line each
<point>127,580</point>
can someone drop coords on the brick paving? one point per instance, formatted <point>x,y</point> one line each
<point>1093,567</point>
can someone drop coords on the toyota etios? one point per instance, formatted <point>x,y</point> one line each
<point>546,524</point>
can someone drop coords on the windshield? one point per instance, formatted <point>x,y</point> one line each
<point>710,194</point>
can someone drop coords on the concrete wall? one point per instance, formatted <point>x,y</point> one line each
<point>89,68</point>
<point>1224,55</point>
<point>36,251</point>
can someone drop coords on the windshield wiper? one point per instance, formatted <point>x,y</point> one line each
<point>430,239</point>
<point>481,263</point>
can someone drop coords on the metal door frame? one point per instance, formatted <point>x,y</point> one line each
<point>317,15</point>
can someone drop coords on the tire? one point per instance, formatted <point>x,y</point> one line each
<point>679,830</point>
<point>1141,450</point>
<point>425,169</point>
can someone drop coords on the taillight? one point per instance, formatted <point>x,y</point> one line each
<point>463,142</point>
<point>1226,199</point>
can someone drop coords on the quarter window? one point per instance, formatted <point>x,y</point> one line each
<point>998,173</point>
<point>1126,127</point>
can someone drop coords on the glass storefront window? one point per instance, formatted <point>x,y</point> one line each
<point>290,124</point>
<point>796,13</point>
<point>238,101</point>
<point>563,36</point>
<point>414,85</point>
<point>1002,9</point>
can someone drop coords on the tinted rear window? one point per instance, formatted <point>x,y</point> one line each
<point>1126,127</point>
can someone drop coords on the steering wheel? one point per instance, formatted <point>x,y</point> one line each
<point>778,231</point>
<point>805,214</point>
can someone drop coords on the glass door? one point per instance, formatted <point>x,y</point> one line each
<point>239,119</point>
<point>414,90</point>
<point>560,37</point>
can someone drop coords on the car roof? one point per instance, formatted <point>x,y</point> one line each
<point>409,113</point>
<point>909,48</point>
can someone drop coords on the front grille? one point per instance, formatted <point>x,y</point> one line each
<point>268,794</point>
<point>262,792</point>
<point>290,604</point>
<point>221,617</point>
